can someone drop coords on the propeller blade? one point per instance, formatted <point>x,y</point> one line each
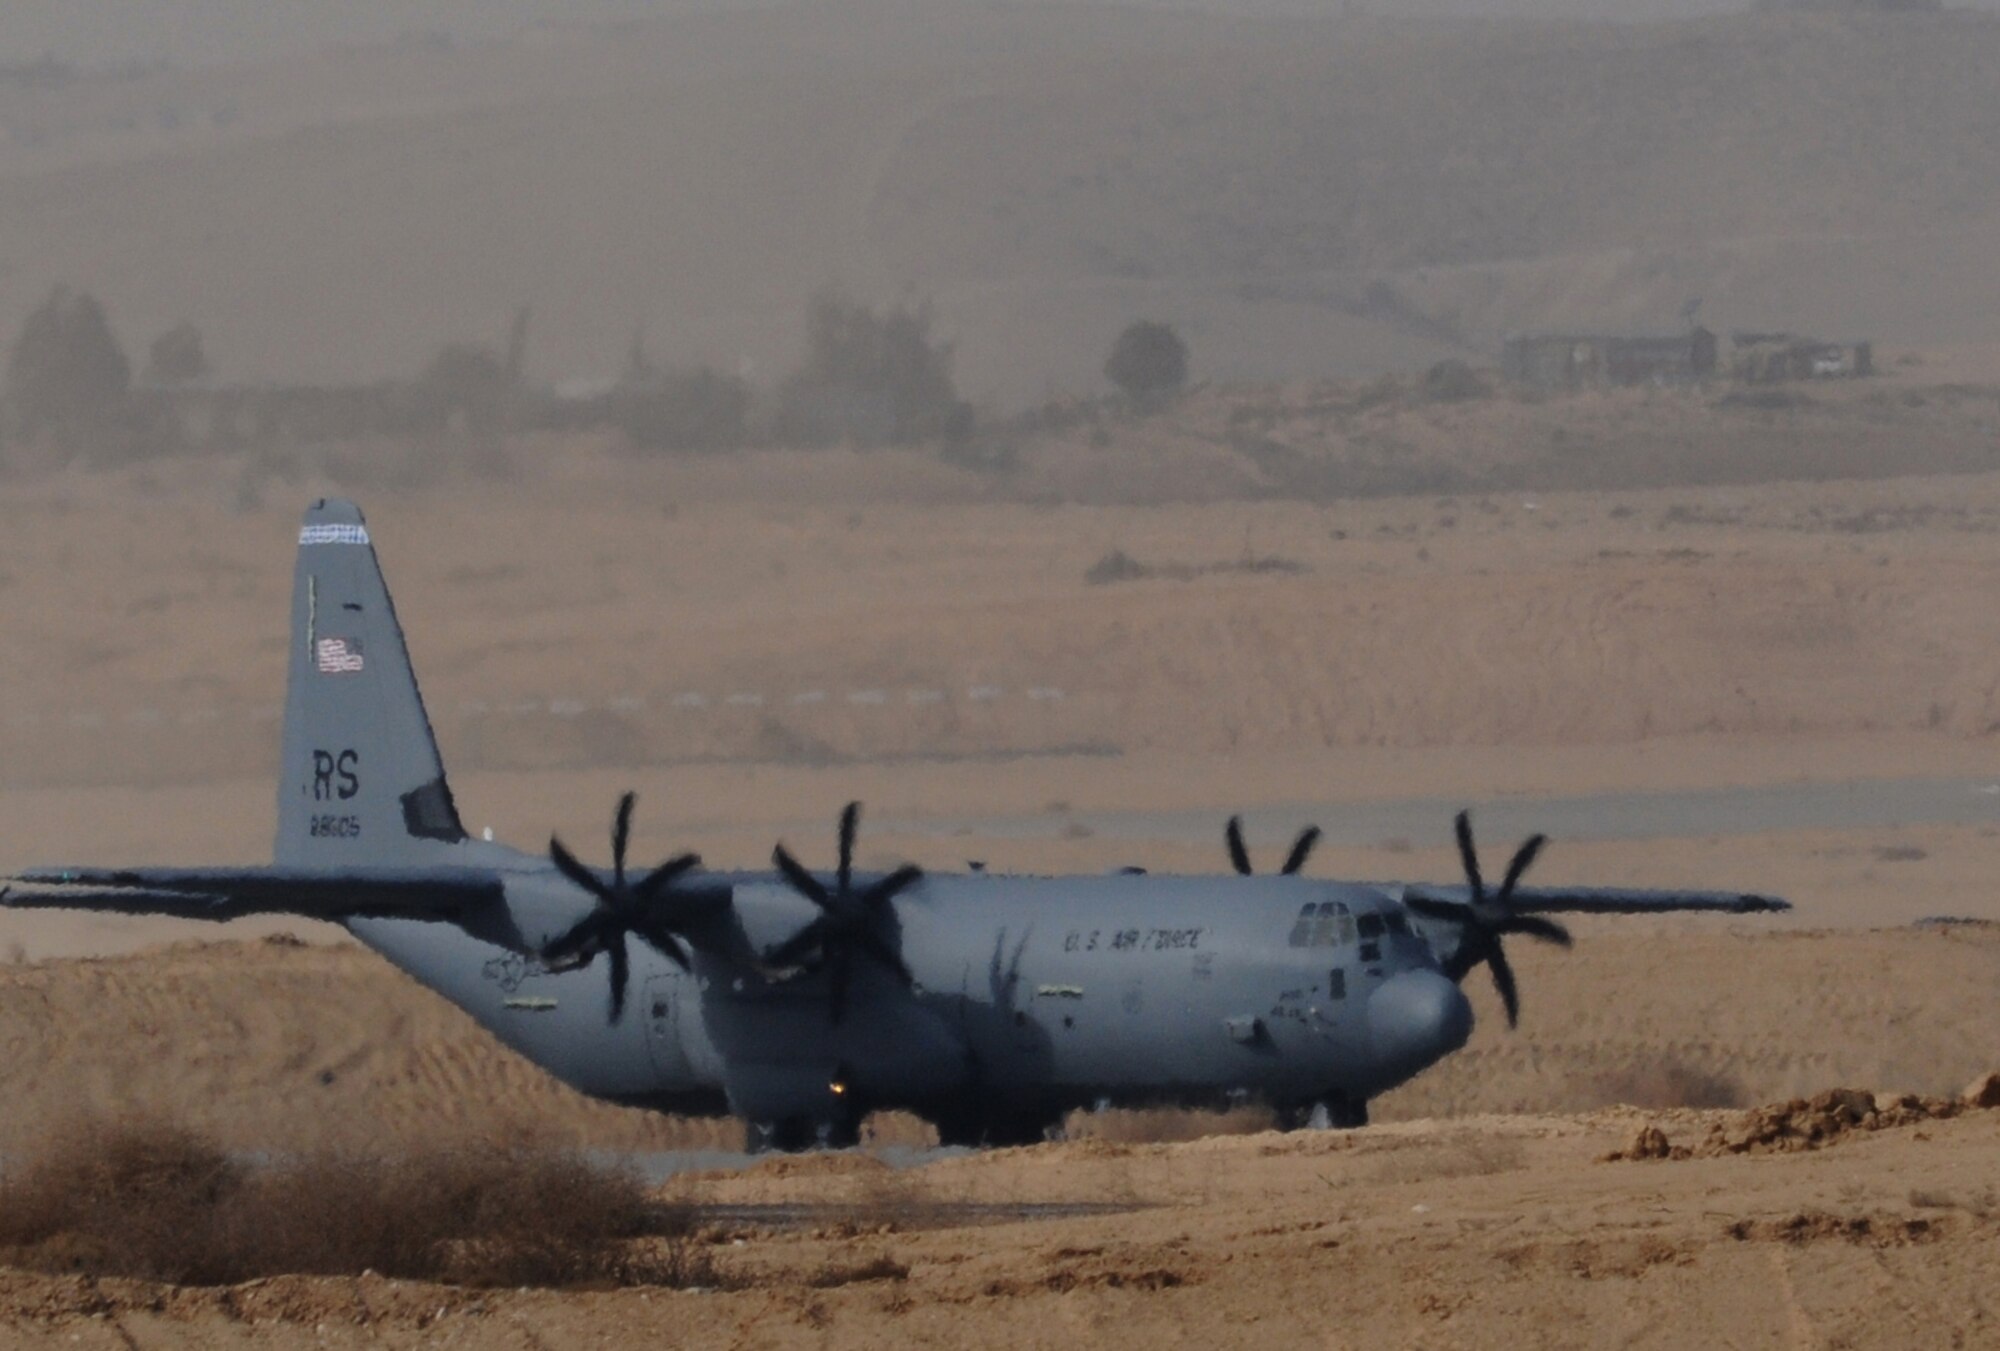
<point>890,887</point>
<point>1451,912</point>
<point>621,971</point>
<point>655,883</point>
<point>621,835</point>
<point>664,943</point>
<point>1469,857</point>
<point>1503,981</point>
<point>566,864</point>
<point>1301,850</point>
<point>1546,930</point>
<point>801,881</point>
<point>850,823</point>
<point>1239,856</point>
<point>1523,856</point>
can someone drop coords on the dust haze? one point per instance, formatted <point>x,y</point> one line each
<point>1061,427</point>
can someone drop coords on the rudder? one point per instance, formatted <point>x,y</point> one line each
<point>360,781</point>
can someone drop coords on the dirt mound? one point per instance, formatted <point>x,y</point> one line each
<point>1804,1124</point>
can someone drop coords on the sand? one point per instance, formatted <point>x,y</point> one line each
<point>1465,648</point>
<point>1485,1232</point>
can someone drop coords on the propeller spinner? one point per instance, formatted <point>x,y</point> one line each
<point>1239,854</point>
<point>849,922</point>
<point>1485,919</point>
<point>648,908</point>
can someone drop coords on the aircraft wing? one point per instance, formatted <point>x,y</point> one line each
<point>227,893</point>
<point>1612,900</point>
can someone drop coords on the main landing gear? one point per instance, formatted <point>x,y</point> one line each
<point>797,1134</point>
<point>1333,1112</point>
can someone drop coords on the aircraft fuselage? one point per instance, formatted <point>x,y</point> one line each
<point>1032,995</point>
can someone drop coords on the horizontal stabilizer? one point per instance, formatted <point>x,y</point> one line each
<point>227,893</point>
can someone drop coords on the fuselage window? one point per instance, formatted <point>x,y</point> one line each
<point>1302,928</point>
<point>1370,925</point>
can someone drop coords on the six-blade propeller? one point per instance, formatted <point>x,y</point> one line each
<point>1482,921</point>
<point>1239,855</point>
<point>648,908</point>
<point>849,922</point>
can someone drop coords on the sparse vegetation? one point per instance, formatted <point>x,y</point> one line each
<point>465,384</point>
<point>69,383</point>
<point>1148,361</point>
<point>871,378</point>
<point>691,410</point>
<point>177,356</point>
<point>1451,381</point>
<point>153,1200</point>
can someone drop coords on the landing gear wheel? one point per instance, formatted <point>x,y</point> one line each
<point>797,1134</point>
<point>1347,1114</point>
<point>1333,1112</point>
<point>976,1130</point>
<point>843,1133</point>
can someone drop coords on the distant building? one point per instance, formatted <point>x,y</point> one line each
<point>1772,358</point>
<point>1585,360</point>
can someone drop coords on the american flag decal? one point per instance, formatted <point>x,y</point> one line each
<point>337,656</point>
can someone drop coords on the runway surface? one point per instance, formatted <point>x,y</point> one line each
<point>1682,814</point>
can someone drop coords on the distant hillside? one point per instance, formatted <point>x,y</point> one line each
<point>1300,196</point>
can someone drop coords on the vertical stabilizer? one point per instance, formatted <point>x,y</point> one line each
<point>361,782</point>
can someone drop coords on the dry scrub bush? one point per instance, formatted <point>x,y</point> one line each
<point>156,1201</point>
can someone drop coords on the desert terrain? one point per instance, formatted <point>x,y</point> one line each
<point>992,689</point>
<point>1723,636</point>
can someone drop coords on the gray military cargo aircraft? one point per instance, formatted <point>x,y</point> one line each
<point>800,1000</point>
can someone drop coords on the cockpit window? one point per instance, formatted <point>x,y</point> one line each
<point>1398,923</point>
<point>1322,924</point>
<point>1302,927</point>
<point>1370,925</point>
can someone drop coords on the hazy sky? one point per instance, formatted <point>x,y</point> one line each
<point>96,32</point>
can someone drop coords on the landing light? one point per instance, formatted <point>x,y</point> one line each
<point>837,1087</point>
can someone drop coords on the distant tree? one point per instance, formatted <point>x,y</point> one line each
<point>67,374</point>
<point>700,409</point>
<point>871,378</point>
<point>176,356</point>
<point>466,382</point>
<point>1148,360</point>
<point>1452,380</point>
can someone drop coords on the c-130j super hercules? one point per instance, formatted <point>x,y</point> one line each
<point>802,1000</point>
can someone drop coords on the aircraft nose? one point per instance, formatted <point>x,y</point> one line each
<point>1416,1018</point>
